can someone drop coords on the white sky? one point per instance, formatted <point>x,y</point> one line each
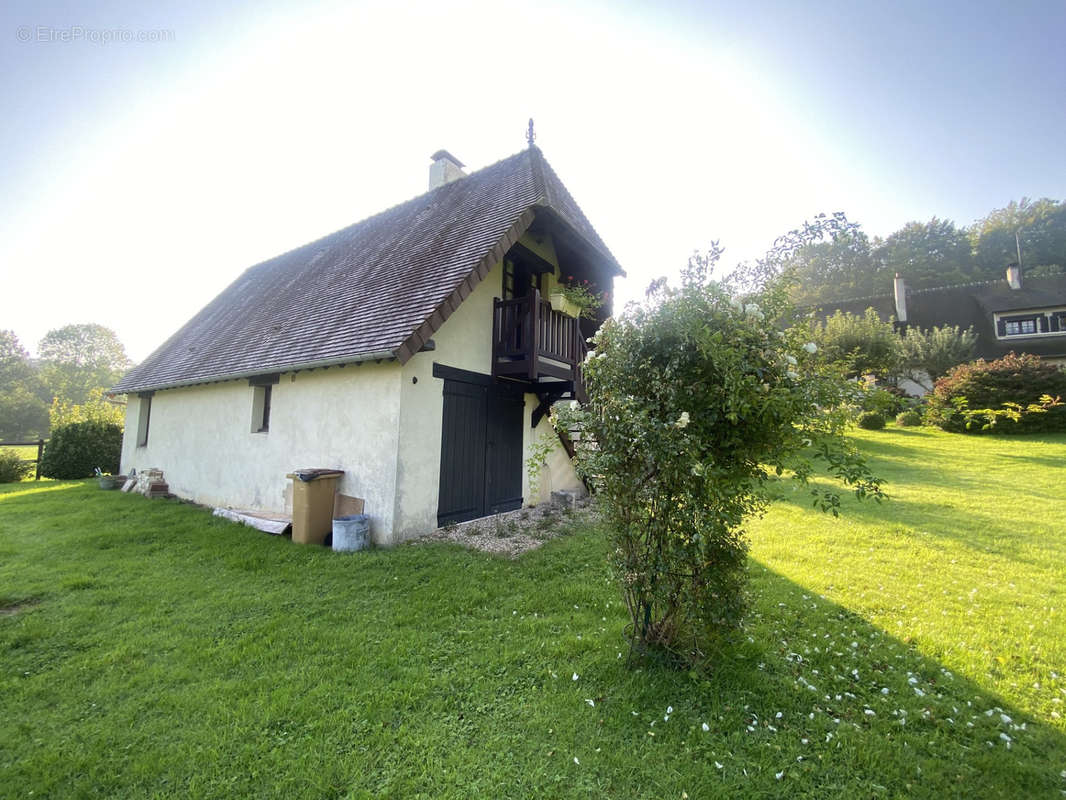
<point>290,124</point>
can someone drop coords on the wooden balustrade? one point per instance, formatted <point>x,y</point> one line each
<point>532,341</point>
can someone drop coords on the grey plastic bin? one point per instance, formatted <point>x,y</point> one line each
<point>351,533</point>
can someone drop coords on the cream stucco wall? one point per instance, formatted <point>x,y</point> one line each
<point>464,341</point>
<point>558,473</point>
<point>380,423</point>
<point>342,418</point>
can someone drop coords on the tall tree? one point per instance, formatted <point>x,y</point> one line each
<point>79,358</point>
<point>840,268</point>
<point>14,360</point>
<point>1041,230</point>
<point>23,399</point>
<point>927,254</point>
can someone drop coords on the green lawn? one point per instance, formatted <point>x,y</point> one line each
<point>24,451</point>
<point>911,649</point>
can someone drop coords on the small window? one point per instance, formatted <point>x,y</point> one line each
<point>261,408</point>
<point>1020,327</point>
<point>144,417</point>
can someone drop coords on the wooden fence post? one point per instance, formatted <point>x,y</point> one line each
<point>40,454</point>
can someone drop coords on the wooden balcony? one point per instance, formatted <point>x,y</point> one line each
<point>533,343</point>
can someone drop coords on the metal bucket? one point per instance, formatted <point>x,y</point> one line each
<point>351,533</point>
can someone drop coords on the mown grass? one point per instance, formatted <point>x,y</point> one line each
<point>149,649</point>
<point>24,451</point>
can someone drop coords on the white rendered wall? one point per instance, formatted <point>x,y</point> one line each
<point>464,341</point>
<point>340,418</point>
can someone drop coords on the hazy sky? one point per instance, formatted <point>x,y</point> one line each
<point>139,178</point>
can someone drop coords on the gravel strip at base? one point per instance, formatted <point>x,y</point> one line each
<point>513,532</point>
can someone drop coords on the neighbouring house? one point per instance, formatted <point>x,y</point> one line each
<point>418,351</point>
<point>1008,315</point>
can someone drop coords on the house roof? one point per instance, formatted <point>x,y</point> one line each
<point>972,305</point>
<point>376,289</point>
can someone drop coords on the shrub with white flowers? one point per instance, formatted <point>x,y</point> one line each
<point>697,404</point>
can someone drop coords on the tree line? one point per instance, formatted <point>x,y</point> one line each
<point>76,364</point>
<point>850,264</point>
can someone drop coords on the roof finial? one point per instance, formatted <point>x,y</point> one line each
<point>530,135</point>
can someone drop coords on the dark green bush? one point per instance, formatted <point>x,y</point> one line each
<point>12,468</point>
<point>908,418</point>
<point>984,384</point>
<point>871,421</point>
<point>76,449</point>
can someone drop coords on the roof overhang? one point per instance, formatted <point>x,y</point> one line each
<point>571,237</point>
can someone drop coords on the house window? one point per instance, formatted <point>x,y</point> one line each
<point>261,408</point>
<point>1020,327</point>
<point>144,416</point>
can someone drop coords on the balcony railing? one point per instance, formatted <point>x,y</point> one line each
<point>531,341</point>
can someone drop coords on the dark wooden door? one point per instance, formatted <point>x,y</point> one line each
<point>462,453</point>
<point>503,452</point>
<point>481,450</point>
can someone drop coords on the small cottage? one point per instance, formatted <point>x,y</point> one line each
<point>419,351</point>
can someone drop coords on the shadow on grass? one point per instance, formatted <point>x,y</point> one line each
<point>896,430</point>
<point>952,520</point>
<point>1033,460</point>
<point>830,668</point>
<point>989,508</point>
<point>902,462</point>
<point>225,662</point>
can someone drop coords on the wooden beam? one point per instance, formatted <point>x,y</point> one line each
<point>547,399</point>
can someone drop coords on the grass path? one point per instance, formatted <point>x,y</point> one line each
<point>149,649</point>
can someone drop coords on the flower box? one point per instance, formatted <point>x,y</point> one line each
<point>563,306</point>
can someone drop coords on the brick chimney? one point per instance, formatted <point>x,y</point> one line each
<point>444,169</point>
<point>1014,275</point>
<point>899,288</point>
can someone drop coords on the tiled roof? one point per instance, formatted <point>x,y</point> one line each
<point>376,289</point>
<point>972,305</point>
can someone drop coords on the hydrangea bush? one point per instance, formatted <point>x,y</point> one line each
<point>698,404</point>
